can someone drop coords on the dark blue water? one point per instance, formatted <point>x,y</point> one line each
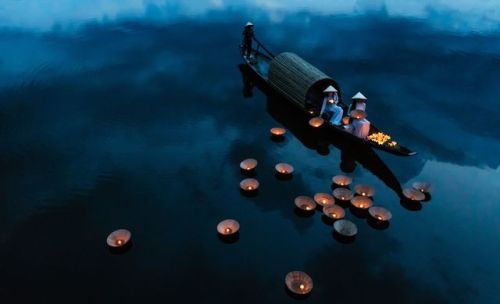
<point>131,114</point>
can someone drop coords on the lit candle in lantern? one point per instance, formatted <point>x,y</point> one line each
<point>299,282</point>
<point>316,122</point>
<point>413,195</point>
<point>278,132</point>
<point>324,199</point>
<point>343,194</point>
<point>248,164</point>
<point>249,184</point>
<point>341,180</point>
<point>422,187</point>
<point>284,168</point>
<point>364,190</point>
<point>228,227</point>
<point>334,212</point>
<point>380,214</point>
<point>345,120</point>
<point>305,203</point>
<point>118,238</point>
<point>361,202</point>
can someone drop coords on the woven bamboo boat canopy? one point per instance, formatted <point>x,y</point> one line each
<point>298,80</point>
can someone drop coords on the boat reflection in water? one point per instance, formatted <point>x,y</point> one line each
<point>318,139</point>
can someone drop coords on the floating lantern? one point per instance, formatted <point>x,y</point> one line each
<point>380,214</point>
<point>334,212</point>
<point>316,122</point>
<point>361,202</point>
<point>118,238</point>
<point>422,187</point>
<point>364,190</point>
<point>324,199</point>
<point>343,194</point>
<point>249,184</point>
<point>284,168</point>
<point>342,180</point>
<point>345,120</point>
<point>305,203</point>
<point>248,164</point>
<point>345,228</point>
<point>278,132</point>
<point>299,282</point>
<point>358,114</point>
<point>413,195</point>
<point>228,227</point>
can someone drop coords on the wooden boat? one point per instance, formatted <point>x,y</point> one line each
<point>302,84</point>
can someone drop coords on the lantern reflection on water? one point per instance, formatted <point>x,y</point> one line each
<point>342,180</point>
<point>228,227</point>
<point>343,194</point>
<point>364,190</point>
<point>305,203</point>
<point>324,199</point>
<point>284,168</point>
<point>316,122</point>
<point>413,195</point>
<point>361,202</point>
<point>249,184</point>
<point>334,212</point>
<point>380,214</point>
<point>345,228</point>
<point>248,164</point>
<point>118,238</point>
<point>299,282</point>
<point>422,187</point>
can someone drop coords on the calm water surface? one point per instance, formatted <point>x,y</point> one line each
<point>134,114</point>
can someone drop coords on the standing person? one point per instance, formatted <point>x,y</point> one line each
<point>247,39</point>
<point>358,103</point>
<point>329,108</point>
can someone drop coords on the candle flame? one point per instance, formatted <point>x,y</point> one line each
<point>119,242</point>
<point>302,286</point>
<point>361,205</point>
<point>227,230</point>
<point>379,217</point>
<point>334,215</point>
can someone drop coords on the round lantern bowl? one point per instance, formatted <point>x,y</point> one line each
<point>379,217</point>
<point>228,231</point>
<point>316,122</point>
<point>364,190</point>
<point>298,284</point>
<point>277,134</point>
<point>119,241</point>
<point>343,195</point>
<point>247,166</point>
<point>413,195</point>
<point>249,187</point>
<point>304,205</point>
<point>425,188</point>
<point>332,213</point>
<point>324,199</point>
<point>341,180</point>
<point>284,171</point>
<point>344,230</point>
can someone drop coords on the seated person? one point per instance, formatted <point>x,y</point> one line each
<point>360,125</point>
<point>358,103</point>
<point>329,109</point>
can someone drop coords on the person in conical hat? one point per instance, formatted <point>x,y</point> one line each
<point>329,108</point>
<point>248,39</point>
<point>358,103</point>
